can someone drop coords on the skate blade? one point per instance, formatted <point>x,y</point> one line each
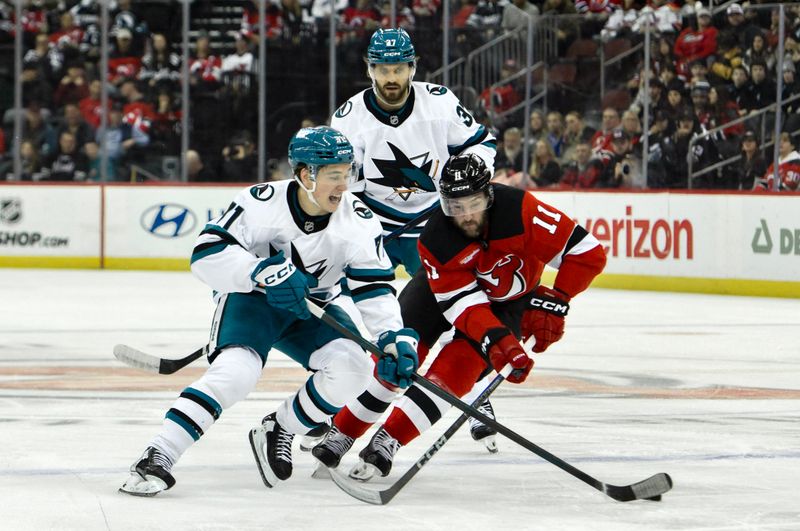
<point>137,486</point>
<point>490,443</point>
<point>258,442</point>
<point>307,443</point>
<point>321,472</point>
<point>363,472</point>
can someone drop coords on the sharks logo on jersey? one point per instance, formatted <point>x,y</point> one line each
<point>403,175</point>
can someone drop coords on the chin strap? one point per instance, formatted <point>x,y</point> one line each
<point>309,192</point>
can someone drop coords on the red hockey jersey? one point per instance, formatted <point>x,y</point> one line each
<point>788,172</point>
<point>523,235</point>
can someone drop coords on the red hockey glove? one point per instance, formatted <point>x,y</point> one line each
<point>503,348</point>
<point>544,319</point>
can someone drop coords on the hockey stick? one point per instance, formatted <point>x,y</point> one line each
<point>650,489</point>
<point>148,362</point>
<point>382,497</point>
<point>411,224</point>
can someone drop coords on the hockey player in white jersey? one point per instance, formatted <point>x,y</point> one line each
<point>402,132</point>
<point>277,244</point>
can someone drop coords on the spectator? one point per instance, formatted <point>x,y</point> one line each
<point>668,78</point>
<point>67,163</point>
<point>404,17</point>
<point>620,166</point>
<point>724,110</point>
<point>659,132</point>
<point>753,165</point>
<point>665,17</point>
<point>758,53</point>
<point>205,69</point>
<point>45,58</point>
<point>791,89</point>
<point>486,18</point>
<point>621,20</point>
<point>507,177</point>
<point>657,97</point>
<point>196,171</point>
<point>739,29</point>
<point>237,67</point>
<point>602,138</point>
<point>73,86</point>
<point>510,155</point>
<point>503,97</point>
<point>362,19</point>
<point>137,111</point>
<point>576,132</point>
<point>123,61</point>
<point>240,159</point>
<point>90,106</point>
<point>633,129</point>
<point>161,68</point>
<point>37,130</point>
<point>555,132</point>
<point>31,163</point>
<point>516,14</point>
<point>584,170</point>
<point>762,89</point>
<point>35,87</point>
<point>544,170</point>
<point>75,124</point>
<point>739,90</point>
<point>121,141</point>
<point>249,28</point>
<point>698,71</point>
<point>166,124</point>
<point>696,44</point>
<point>126,17</point>
<point>788,168</point>
<point>729,56</point>
<point>537,129</point>
<point>68,38</point>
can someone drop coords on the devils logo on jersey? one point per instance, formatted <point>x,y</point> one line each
<point>504,280</point>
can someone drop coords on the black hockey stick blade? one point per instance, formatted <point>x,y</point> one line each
<point>148,362</point>
<point>650,488</point>
<point>382,497</point>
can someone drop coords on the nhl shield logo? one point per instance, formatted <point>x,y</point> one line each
<point>394,120</point>
<point>309,226</point>
<point>10,210</point>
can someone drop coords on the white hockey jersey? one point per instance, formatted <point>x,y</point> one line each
<point>266,218</point>
<point>401,154</point>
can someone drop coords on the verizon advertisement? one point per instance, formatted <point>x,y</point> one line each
<point>691,235</point>
<point>52,221</point>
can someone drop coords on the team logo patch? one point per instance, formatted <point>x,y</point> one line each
<point>361,210</point>
<point>344,110</point>
<point>436,90</point>
<point>262,192</point>
<point>309,226</point>
<point>504,280</point>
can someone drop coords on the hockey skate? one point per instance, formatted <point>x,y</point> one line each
<point>314,437</point>
<point>376,457</point>
<point>272,449</point>
<point>149,475</point>
<point>330,451</point>
<point>482,432</point>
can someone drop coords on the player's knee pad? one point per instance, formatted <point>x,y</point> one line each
<point>343,370</point>
<point>234,373</point>
<point>456,367</point>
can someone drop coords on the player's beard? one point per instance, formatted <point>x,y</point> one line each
<point>396,97</point>
<point>474,228</point>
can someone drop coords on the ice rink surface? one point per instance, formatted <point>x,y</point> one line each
<point>705,388</point>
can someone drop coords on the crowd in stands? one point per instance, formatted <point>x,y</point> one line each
<point>705,72</point>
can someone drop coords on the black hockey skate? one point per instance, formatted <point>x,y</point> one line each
<point>314,437</point>
<point>376,457</point>
<point>272,449</point>
<point>482,432</point>
<point>150,475</point>
<point>330,451</point>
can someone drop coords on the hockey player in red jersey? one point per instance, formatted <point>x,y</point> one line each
<point>788,168</point>
<point>483,254</point>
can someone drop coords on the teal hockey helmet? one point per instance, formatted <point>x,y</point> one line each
<point>319,146</point>
<point>390,46</point>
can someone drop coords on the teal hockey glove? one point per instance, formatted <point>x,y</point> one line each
<point>286,286</point>
<point>400,360</point>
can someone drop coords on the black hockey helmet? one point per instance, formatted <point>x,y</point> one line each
<point>465,176</point>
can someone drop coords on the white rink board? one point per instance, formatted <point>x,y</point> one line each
<point>710,235</point>
<point>50,221</point>
<point>160,221</point>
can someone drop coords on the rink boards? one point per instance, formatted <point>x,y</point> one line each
<point>737,243</point>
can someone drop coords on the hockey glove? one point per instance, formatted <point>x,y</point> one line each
<point>400,359</point>
<point>544,319</point>
<point>285,285</point>
<point>503,348</point>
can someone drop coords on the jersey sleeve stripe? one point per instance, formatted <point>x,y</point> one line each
<point>443,297</point>
<point>370,275</point>
<point>207,249</point>
<point>476,139</point>
<point>580,241</point>
<point>371,291</point>
<point>460,306</point>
